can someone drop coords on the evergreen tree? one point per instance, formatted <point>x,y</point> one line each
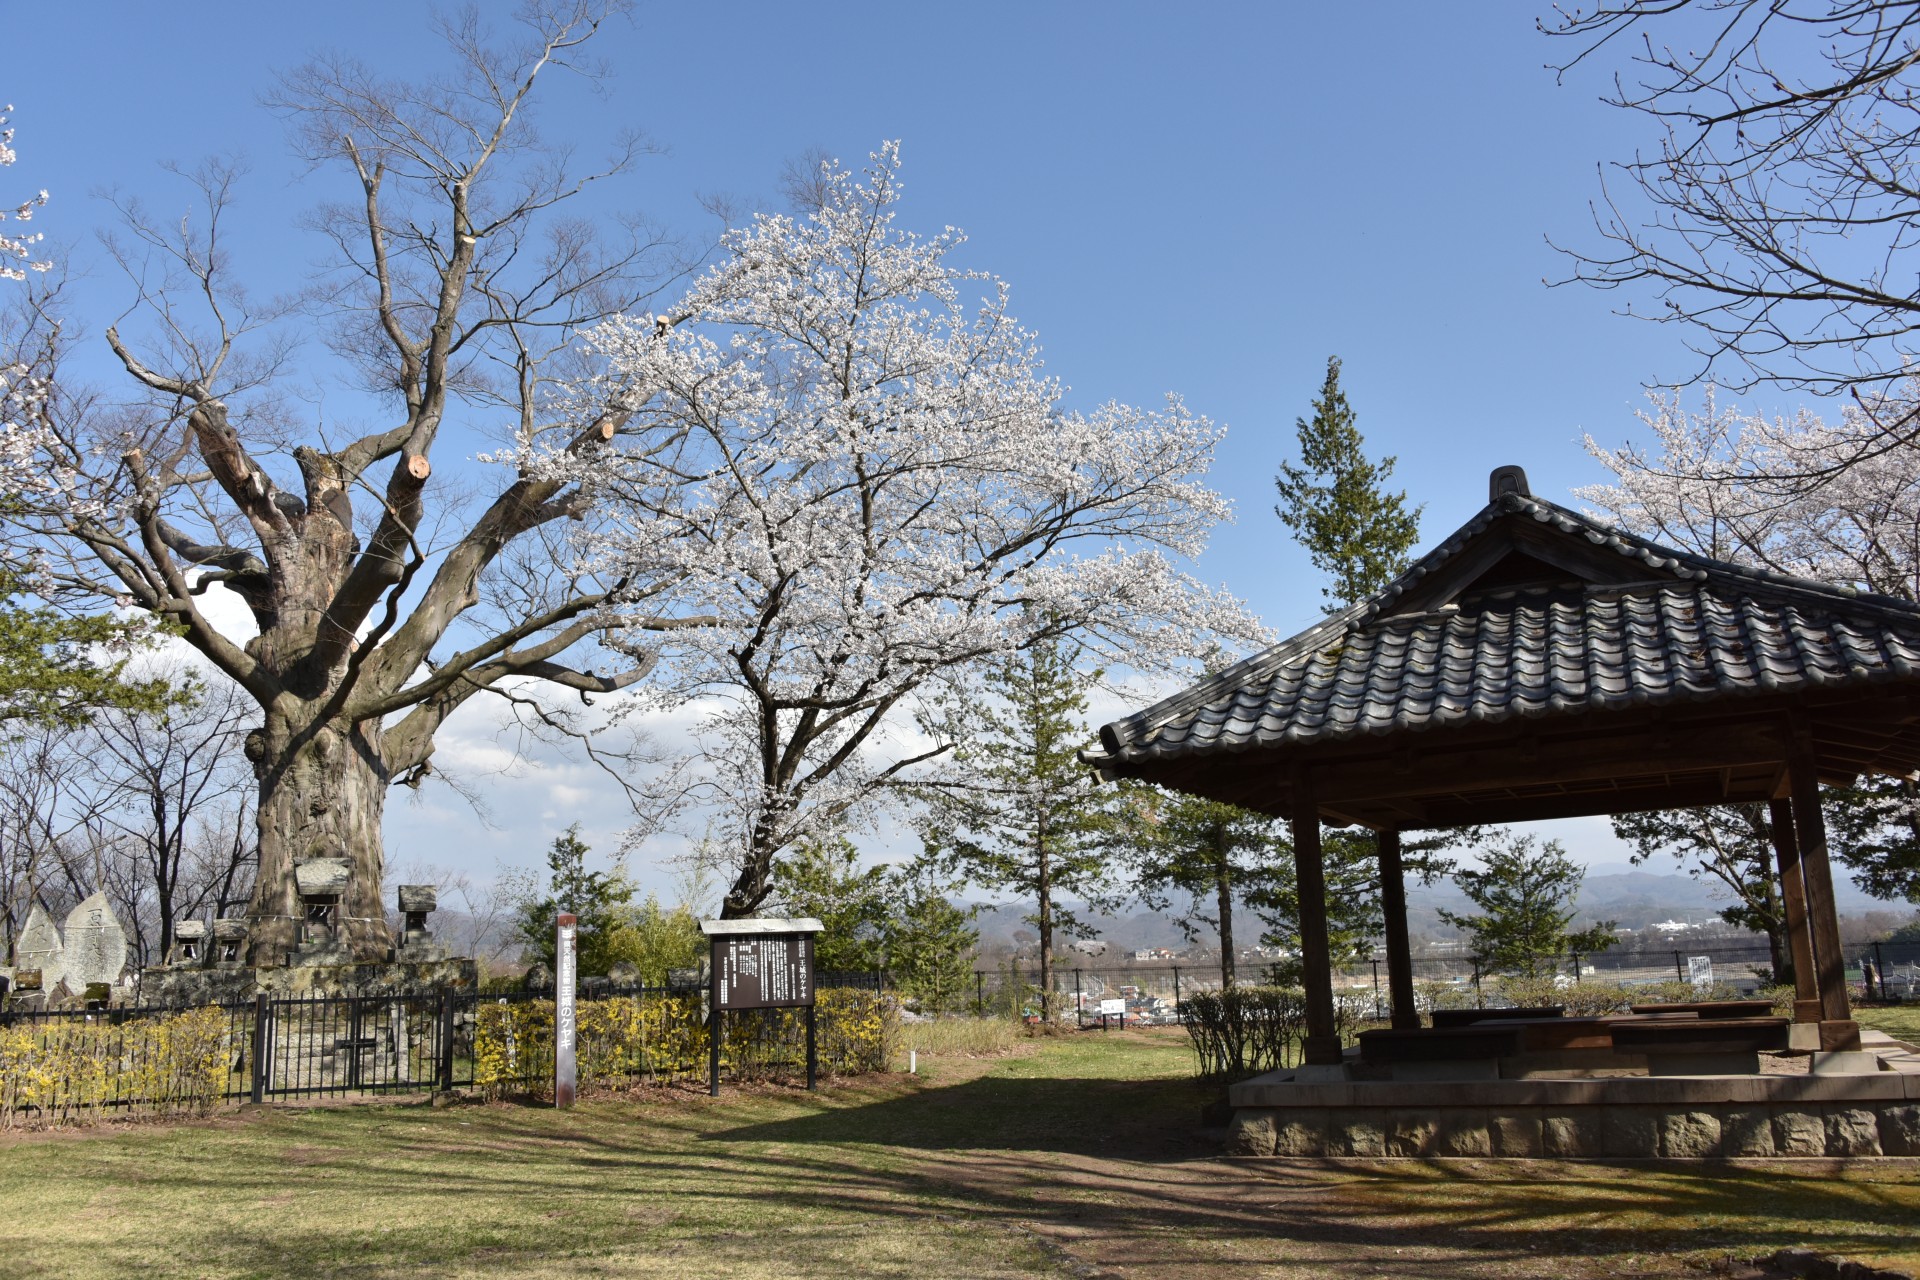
<point>1215,853</point>
<point>823,879</point>
<point>595,898</point>
<point>51,672</point>
<point>1354,915</point>
<point>1525,890</point>
<point>1021,813</point>
<point>930,941</point>
<point>1336,503</point>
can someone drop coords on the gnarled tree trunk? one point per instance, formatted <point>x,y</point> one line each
<point>323,792</point>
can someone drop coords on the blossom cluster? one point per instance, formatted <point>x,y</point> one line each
<point>17,248</point>
<point>864,480</point>
<point>1833,501</point>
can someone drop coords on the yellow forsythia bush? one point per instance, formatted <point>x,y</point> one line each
<point>69,1072</point>
<point>656,1038</point>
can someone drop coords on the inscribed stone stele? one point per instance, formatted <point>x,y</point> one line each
<point>39,947</point>
<point>96,945</point>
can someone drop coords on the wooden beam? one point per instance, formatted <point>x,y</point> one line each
<point>1322,1044</point>
<point>1393,905</point>
<point>1823,920</point>
<point>1793,898</point>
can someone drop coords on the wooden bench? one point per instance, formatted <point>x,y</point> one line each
<point>1701,1045</point>
<point>1439,1044</point>
<point>1467,1017</point>
<point>1712,1008</point>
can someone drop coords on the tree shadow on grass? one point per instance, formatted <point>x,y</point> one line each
<point>1113,1170</point>
<point>1142,1119</point>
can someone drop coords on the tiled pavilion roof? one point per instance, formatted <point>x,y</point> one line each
<point>1532,612</point>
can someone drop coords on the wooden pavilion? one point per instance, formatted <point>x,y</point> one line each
<point>1538,664</point>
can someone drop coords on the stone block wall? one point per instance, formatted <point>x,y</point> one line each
<point>1818,1129</point>
<point>1631,1117</point>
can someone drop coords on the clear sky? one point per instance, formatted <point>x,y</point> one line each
<point>1209,199</point>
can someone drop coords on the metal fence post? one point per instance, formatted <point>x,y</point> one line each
<point>262,1038</point>
<point>1079,1004</point>
<point>1880,970</point>
<point>813,1052</point>
<point>443,1073</point>
<point>1479,1000</point>
<point>353,1042</point>
<point>1679,970</point>
<point>979,994</point>
<point>1376,987</point>
<point>1177,1015</point>
<point>1576,967</point>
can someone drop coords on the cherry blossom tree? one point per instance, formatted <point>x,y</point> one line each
<point>873,488</point>
<point>381,598</point>
<point>1772,491</point>
<point>16,251</point>
<point>1801,496</point>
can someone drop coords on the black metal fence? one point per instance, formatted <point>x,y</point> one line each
<point>269,1049</point>
<point>1152,994</point>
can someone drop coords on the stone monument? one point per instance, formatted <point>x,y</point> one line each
<point>39,948</point>
<point>96,946</point>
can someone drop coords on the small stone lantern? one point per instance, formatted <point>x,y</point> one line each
<point>229,942</point>
<point>417,901</point>
<point>189,945</point>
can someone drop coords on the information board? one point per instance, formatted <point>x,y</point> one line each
<point>762,970</point>
<point>1113,1008</point>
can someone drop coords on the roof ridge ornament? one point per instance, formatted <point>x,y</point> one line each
<point>1505,480</point>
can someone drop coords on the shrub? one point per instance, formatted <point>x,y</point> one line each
<point>73,1070</point>
<point>660,1037</point>
<point>1244,1031</point>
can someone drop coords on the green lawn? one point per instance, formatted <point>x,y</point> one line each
<point>1902,1022</point>
<point>1079,1156</point>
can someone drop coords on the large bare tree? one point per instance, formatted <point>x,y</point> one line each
<point>1776,215</point>
<point>452,282</point>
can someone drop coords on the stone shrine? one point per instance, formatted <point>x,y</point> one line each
<point>417,901</point>
<point>321,964</point>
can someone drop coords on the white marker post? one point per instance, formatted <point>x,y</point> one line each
<point>564,971</point>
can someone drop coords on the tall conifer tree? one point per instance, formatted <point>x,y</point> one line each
<point>1022,814</point>
<point>1337,504</point>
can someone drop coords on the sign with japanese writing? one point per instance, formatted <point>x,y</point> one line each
<point>565,975</point>
<point>762,970</point>
<point>1113,1008</point>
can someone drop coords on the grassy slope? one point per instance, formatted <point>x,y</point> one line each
<point>1089,1140</point>
<point>772,1183</point>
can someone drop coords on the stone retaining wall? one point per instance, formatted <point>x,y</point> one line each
<point>1676,1117</point>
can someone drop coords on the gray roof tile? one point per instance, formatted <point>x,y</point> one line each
<point>1715,630</point>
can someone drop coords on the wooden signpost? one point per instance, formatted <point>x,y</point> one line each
<point>759,964</point>
<point>565,973</point>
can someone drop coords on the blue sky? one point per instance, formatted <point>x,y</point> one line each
<point>1203,199</point>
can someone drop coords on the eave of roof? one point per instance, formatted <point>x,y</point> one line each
<point>1120,738</point>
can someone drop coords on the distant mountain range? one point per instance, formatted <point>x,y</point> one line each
<point>1632,899</point>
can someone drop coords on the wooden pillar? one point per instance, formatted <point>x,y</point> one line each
<point>1793,898</point>
<point>1322,1045</point>
<point>1837,1028</point>
<point>1393,906</point>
